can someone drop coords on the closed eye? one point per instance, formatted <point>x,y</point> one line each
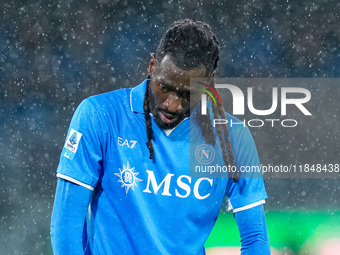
<point>164,88</point>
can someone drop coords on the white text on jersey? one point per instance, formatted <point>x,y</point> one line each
<point>182,185</point>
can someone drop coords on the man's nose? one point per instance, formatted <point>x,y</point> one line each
<point>173,103</point>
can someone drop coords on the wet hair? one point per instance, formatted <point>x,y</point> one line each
<point>191,44</point>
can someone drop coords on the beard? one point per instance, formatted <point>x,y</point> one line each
<point>157,111</point>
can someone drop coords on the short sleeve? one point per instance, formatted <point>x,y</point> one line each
<point>81,157</point>
<point>249,191</point>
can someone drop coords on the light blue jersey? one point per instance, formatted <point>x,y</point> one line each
<point>142,205</point>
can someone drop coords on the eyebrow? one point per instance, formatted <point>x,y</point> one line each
<point>171,87</point>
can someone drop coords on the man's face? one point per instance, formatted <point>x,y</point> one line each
<point>170,92</point>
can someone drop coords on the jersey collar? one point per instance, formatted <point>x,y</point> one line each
<point>137,97</point>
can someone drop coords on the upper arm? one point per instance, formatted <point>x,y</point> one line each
<point>249,191</point>
<point>68,217</point>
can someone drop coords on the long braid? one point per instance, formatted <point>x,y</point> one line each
<point>226,134</point>
<point>220,137</point>
<point>218,113</point>
<point>149,132</point>
<point>208,134</point>
<point>207,129</point>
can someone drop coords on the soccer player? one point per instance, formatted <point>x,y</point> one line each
<point>124,184</point>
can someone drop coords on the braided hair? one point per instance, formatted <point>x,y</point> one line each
<point>191,44</point>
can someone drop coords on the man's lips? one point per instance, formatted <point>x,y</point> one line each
<point>166,117</point>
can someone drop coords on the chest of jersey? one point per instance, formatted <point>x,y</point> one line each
<point>163,181</point>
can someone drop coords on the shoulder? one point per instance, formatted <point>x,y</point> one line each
<point>110,98</point>
<point>237,127</point>
<point>106,103</point>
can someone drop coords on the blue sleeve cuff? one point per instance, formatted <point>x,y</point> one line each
<point>253,231</point>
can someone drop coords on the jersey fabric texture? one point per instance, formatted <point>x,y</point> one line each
<point>144,206</point>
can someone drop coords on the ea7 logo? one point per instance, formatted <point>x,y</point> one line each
<point>183,188</point>
<point>129,143</point>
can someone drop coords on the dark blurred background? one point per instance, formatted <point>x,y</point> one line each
<point>54,54</point>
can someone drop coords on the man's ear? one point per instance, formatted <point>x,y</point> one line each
<point>152,64</point>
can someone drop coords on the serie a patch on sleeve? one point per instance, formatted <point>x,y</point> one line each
<point>71,144</point>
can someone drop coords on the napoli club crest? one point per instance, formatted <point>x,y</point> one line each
<point>128,177</point>
<point>205,154</point>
